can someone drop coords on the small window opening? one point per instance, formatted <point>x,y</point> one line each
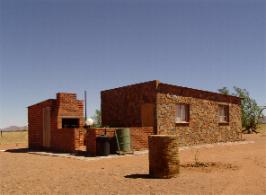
<point>223,113</point>
<point>70,122</point>
<point>182,113</point>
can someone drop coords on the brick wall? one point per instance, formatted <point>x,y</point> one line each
<point>195,93</point>
<point>69,106</point>
<point>68,139</point>
<point>35,118</point>
<point>91,141</point>
<point>139,138</point>
<point>62,139</point>
<point>203,124</point>
<point>121,107</point>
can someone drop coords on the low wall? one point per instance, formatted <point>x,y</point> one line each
<point>68,139</point>
<point>139,138</point>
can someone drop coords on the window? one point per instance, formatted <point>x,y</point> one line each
<point>70,122</point>
<point>223,113</point>
<point>182,113</point>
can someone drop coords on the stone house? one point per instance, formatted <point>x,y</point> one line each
<point>196,116</point>
<point>57,124</point>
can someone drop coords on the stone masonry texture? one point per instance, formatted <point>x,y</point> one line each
<point>122,107</point>
<point>203,126</point>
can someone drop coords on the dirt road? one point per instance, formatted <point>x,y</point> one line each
<point>239,169</point>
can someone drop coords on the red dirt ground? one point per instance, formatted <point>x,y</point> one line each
<point>238,169</point>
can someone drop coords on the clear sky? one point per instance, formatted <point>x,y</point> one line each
<point>49,46</point>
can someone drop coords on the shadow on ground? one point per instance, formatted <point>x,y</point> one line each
<point>48,152</point>
<point>139,176</point>
<point>18,150</point>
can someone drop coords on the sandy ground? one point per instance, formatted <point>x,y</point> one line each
<point>239,169</point>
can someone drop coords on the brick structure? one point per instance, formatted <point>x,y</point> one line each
<point>196,116</point>
<point>56,124</point>
<point>139,138</point>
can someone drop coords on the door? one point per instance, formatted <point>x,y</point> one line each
<point>46,127</point>
<point>147,115</point>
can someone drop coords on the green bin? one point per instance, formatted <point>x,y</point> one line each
<point>123,139</point>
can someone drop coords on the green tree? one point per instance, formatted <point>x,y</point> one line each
<point>224,91</point>
<point>97,118</point>
<point>251,112</point>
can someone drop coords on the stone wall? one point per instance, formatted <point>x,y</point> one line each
<point>203,126</point>
<point>121,107</point>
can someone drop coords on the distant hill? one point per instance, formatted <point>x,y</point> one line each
<point>14,128</point>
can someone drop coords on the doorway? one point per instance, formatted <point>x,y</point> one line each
<point>147,115</point>
<point>46,127</point>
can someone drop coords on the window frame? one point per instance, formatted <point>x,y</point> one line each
<point>187,113</point>
<point>65,124</point>
<point>225,114</point>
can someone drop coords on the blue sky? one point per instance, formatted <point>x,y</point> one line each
<point>49,46</point>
